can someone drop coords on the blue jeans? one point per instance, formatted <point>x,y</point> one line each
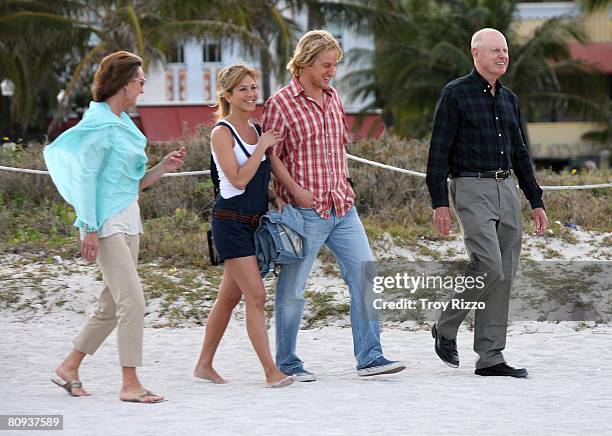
<point>346,238</point>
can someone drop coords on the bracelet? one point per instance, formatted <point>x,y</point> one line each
<point>88,229</point>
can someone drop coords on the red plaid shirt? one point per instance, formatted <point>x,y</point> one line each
<point>312,145</point>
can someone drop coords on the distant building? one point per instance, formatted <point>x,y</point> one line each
<point>179,95</point>
<point>558,142</point>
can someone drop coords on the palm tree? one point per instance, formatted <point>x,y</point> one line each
<point>149,28</point>
<point>270,21</point>
<point>429,46</point>
<point>50,45</point>
<point>603,136</point>
<point>37,43</point>
<point>594,5</point>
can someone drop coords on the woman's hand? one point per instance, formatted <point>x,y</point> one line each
<point>269,139</point>
<point>174,160</point>
<point>89,247</point>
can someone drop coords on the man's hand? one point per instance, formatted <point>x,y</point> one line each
<point>89,247</point>
<point>279,203</point>
<point>442,220</point>
<point>304,198</point>
<point>541,221</point>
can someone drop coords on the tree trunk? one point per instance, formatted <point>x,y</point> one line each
<point>266,71</point>
<point>315,19</point>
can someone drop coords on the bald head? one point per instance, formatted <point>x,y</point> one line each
<point>490,53</point>
<point>485,35</point>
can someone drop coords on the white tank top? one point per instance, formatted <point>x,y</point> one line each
<point>226,189</point>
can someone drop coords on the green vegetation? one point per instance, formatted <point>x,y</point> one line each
<point>419,45</point>
<point>33,217</point>
<point>426,44</point>
<point>176,274</point>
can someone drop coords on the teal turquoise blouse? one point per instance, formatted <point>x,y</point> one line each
<point>97,165</point>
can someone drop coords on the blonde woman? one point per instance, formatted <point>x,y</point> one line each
<point>239,152</point>
<point>99,166</point>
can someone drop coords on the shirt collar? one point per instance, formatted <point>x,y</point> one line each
<point>296,88</point>
<point>482,82</point>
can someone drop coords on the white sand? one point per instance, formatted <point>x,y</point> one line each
<point>568,391</point>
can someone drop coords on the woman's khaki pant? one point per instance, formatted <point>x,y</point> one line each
<point>121,303</point>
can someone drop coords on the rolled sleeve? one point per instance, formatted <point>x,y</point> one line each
<point>273,120</point>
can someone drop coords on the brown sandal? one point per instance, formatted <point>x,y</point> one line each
<point>139,398</point>
<point>68,386</point>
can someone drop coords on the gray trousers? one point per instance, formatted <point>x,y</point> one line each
<point>489,214</point>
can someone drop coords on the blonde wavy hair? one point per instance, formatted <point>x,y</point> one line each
<point>309,46</point>
<point>227,79</point>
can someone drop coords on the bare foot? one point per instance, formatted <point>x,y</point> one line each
<point>138,394</point>
<point>208,373</point>
<point>68,373</point>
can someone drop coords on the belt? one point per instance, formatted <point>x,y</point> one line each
<point>497,175</point>
<point>232,215</point>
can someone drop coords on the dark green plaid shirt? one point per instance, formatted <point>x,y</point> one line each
<point>476,131</point>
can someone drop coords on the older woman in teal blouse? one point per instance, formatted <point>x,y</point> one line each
<point>99,167</point>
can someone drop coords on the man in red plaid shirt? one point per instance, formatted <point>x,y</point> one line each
<point>310,169</point>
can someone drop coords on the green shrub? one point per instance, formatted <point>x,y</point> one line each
<point>176,210</point>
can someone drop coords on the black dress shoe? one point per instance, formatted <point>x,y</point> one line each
<point>502,370</point>
<point>446,349</point>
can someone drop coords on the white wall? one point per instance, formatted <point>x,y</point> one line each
<point>198,83</point>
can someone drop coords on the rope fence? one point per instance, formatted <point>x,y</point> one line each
<point>350,156</point>
<point>28,171</point>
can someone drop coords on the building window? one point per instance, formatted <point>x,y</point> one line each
<point>211,52</point>
<point>176,54</point>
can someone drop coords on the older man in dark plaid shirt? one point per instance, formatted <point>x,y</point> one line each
<point>478,141</point>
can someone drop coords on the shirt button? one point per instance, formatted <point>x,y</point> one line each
<point>332,173</point>
<point>502,152</point>
<point>496,118</point>
<point>499,134</point>
<point>329,154</point>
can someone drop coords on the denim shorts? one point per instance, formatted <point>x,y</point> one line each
<point>233,239</point>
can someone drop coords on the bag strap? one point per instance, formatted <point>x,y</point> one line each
<point>214,172</point>
<point>235,135</point>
